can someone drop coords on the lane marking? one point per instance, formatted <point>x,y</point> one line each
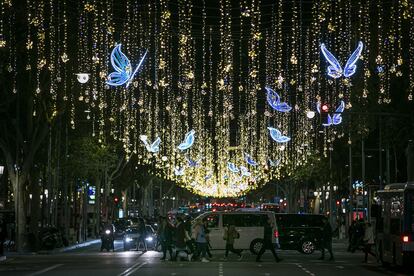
<point>45,270</point>
<point>135,269</point>
<point>129,269</point>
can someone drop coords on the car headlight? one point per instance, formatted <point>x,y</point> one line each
<point>107,232</point>
<point>128,239</point>
<point>149,239</point>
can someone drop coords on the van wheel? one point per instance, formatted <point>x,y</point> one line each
<point>255,246</point>
<point>307,247</point>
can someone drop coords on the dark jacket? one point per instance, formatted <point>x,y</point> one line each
<point>268,233</point>
<point>327,233</point>
<point>180,235</point>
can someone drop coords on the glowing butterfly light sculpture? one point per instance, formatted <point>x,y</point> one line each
<point>274,163</point>
<point>277,135</point>
<point>249,160</point>
<point>274,101</point>
<point>334,69</point>
<point>154,147</point>
<point>193,163</point>
<point>244,171</point>
<point>188,141</point>
<point>233,168</point>
<point>336,118</point>
<point>123,68</point>
<point>178,171</point>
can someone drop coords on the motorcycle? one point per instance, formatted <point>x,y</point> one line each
<point>107,239</point>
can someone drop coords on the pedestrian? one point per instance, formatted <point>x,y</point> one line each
<point>142,231</point>
<point>267,241</point>
<point>165,232</point>
<point>369,240</point>
<point>205,223</point>
<point>181,237</point>
<point>201,240</point>
<point>351,236</point>
<point>2,238</point>
<point>230,235</point>
<point>326,239</point>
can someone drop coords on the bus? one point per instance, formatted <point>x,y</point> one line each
<point>395,224</point>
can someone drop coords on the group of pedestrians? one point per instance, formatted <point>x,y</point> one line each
<point>361,236</point>
<point>180,237</point>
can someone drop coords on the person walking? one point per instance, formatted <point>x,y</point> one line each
<point>181,236</point>
<point>165,233</point>
<point>230,234</point>
<point>326,240</point>
<point>2,238</point>
<point>267,242</point>
<point>142,230</point>
<point>201,240</point>
<point>351,236</point>
<point>369,241</point>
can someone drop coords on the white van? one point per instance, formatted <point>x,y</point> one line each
<point>250,225</point>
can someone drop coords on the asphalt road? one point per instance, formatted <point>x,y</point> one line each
<point>89,261</point>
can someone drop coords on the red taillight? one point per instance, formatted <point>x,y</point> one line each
<point>406,239</point>
<point>276,234</point>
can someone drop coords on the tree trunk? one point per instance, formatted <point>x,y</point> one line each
<point>98,205</point>
<point>410,162</point>
<point>19,184</point>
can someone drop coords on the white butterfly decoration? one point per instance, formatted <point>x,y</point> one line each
<point>274,163</point>
<point>188,141</point>
<point>277,135</point>
<point>154,147</point>
<point>178,171</point>
<point>244,171</point>
<point>334,69</point>
<point>232,167</point>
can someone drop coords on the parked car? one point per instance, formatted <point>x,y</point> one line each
<point>300,232</point>
<point>131,238</point>
<point>250,225</point>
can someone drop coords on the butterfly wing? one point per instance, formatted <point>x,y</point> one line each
<point>117,78</point>
<point>329,122</point>
<point>144,139</point>
<point>273,98</point>
<point>283,139</point>
<point>249,160</point>
<point>188,141</point>
<point>137,68</point>
<point>122,67</point>
<point>244,171</point>
<point>318,107</point>
<point>155,146</point>
<point>233,168</point>
<point>350,66</point>
<point>275,134</point>
<point>284,107</point>
<point>334,69</point>
<point>337,118</point>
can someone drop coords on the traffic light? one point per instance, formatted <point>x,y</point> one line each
<point>324,108</point>
<point>338,203</point>
<point>116,200</point>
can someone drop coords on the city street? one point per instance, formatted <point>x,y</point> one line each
<point>89,261</point>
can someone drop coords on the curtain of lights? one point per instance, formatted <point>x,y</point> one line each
<point>207,66</point>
